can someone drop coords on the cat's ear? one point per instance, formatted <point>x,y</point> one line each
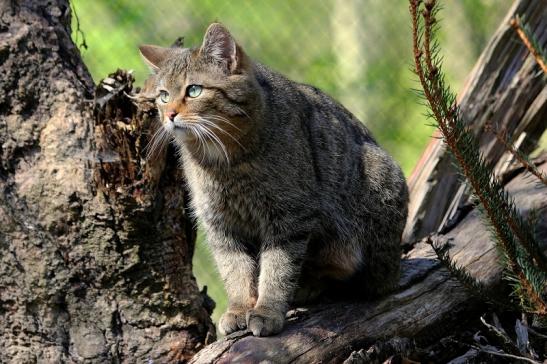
<point>219,45</point>
<point>153,55</point>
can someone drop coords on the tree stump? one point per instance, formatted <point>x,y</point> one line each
<point>95,243</point>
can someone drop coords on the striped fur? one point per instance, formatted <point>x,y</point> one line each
<point>291,188</point>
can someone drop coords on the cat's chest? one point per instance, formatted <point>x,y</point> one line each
<point>226,199</point>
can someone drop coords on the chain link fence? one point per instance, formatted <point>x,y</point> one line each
<point>358,51</point>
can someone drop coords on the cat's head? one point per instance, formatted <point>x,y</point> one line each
<point>208,98</point>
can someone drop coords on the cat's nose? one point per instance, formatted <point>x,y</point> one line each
<point>171,114</point>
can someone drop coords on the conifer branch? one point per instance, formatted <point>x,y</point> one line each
<point>507,226</point>
<point>521,157</point>
<point>473,285</point>
<point>517,224</point>
<point>529,41</point>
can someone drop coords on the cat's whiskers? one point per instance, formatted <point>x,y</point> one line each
<point>210,123</point>
<point>223,119</point>
<point>205,125</point>
<point>196,131</point>
<point>203,129</point>
<point>202,144</point>
<point>216,140</point>
<point>205,120</point>
<point>157,142</point>
<point>199,128</point>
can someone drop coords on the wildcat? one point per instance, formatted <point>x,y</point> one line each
<point>289,186</point>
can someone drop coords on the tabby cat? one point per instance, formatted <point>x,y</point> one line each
<point>291,189</point>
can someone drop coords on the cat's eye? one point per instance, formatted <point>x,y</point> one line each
<point>194,90</point>
<point>164,96</point>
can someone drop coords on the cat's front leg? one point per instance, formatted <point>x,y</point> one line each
<point>238,270</point>
<point>280,266</point>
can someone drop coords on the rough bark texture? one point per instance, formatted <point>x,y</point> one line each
<point>427,305</point>
<point>506,89</point>
<point>95,244</point>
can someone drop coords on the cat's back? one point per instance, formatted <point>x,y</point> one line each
<point>348,164</point>
<point>305,105</point>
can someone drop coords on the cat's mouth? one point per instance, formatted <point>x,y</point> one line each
<point>203,131</point>
<point>176,124</point>
<point>208,133</point>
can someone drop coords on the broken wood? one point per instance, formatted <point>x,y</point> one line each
<point>506,89</point>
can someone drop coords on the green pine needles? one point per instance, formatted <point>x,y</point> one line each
<point>526,266</point>
<point>519,156</point>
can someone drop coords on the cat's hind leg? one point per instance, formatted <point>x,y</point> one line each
<point>359,270</point>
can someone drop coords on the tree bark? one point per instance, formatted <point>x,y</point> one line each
<point>95,242</point>
<point>427,305</point>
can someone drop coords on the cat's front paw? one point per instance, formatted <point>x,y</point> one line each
<point>232,320</point>
<point>264,321</point>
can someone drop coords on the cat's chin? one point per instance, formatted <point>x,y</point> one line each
<point>182,135</point>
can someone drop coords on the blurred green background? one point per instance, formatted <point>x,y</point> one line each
<point>358,51</point>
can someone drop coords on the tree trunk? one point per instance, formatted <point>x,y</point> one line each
<point>95,243</point>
